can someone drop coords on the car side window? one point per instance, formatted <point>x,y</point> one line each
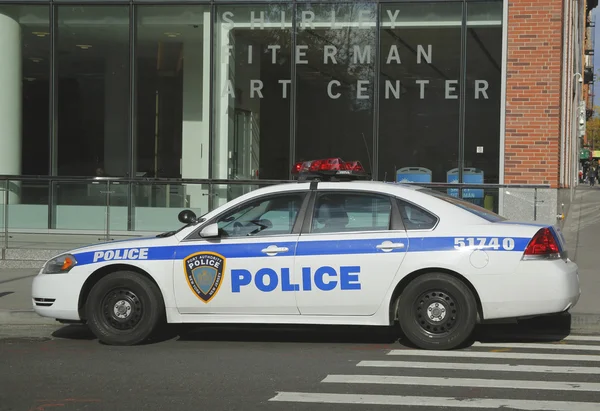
<point>416,218</point>
<point>343,212</point>
<point>273,215</point>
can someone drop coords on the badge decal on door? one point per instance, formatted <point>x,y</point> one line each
<point>204,272</point>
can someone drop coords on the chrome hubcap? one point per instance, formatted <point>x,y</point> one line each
<point>436,312</point>
<point>122,309</point>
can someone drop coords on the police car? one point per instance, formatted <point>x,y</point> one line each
<point>332,248</point>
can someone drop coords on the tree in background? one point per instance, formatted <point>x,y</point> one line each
<point>592,128</point>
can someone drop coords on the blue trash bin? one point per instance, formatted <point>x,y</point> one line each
<point>413,175</point>
<point>470,176</point>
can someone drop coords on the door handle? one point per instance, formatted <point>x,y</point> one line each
<point>389,246</point>
<point>273,250</point>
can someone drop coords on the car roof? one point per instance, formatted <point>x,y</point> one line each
<point>415,194</point>
<point>390,187</point>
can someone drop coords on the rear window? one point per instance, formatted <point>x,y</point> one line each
<point>465,205</point>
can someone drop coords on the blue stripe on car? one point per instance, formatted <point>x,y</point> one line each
<point>309,247</point>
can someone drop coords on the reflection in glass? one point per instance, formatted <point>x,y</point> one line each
<point>484,73</point>
<point>173,79</point>
<point>157,205</point>
<point>92,60</point>
<point>173,110</point>
<point>252,87</point>
<point>25,85</point>
<point>335,61</point>
<point>24,112</point>
<point>420,53</point>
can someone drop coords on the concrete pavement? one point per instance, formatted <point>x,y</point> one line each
<point>15,298</point>
<point>247,369</point>
<point>582,233</point>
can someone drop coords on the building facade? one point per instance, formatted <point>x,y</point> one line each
<point>188,104</point>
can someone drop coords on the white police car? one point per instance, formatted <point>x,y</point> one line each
<point>319,252</point>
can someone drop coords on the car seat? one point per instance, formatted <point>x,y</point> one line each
<point>332,216</point>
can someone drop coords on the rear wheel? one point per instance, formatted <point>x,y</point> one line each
<point>437,311</point>
<point>124,308</point>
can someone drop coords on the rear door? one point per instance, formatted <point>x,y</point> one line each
<point>350,249</point>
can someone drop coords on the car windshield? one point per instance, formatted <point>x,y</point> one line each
<point>465,205</point>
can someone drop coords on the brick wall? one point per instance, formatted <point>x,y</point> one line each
<point>533,92</point>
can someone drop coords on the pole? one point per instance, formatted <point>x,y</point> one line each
<point>535,204</point>
<point>5,221</point>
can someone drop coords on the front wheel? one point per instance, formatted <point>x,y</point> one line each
<point>437,311</point>
<point>124,308</point>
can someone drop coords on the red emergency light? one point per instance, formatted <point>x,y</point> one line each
<point>329,167</point>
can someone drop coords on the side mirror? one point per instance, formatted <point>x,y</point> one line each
<point>211,230</point>
<point>187,216</point>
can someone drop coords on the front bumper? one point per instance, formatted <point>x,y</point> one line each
<point>57,295</point>
<point>536,288</point>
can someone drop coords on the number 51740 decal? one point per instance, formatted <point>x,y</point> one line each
<point>494,243</point>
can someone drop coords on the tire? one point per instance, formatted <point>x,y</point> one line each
<point>442,327</point>
<point>128,295</point>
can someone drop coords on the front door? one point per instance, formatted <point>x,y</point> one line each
<point>249,268</point>
<point>348,258</point>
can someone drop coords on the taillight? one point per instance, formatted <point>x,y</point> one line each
<point>543,245</point>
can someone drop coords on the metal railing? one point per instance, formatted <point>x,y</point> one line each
<point>211,192</point>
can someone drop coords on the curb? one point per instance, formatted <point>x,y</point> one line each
<point>21,264</point>
<point>585,322</point>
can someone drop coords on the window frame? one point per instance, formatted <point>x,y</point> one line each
<point>395,223</point>
<point>304,193</point>
<point>400,200</point>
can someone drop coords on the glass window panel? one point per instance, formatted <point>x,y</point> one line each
<point>351,212</point>
<point>420,54</point>
<point>25,85</point>
<point>275,215</point>
<point>24,112</point>
<point>415,218</point>
<point>482,104</point>
<point>335,62</point>
<point>92,61</point>
<point>172,107</point>
<point>172,80</point>
<point>252,86</point>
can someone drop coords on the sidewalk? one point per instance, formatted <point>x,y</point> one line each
<point>15,298</point>
<point>581,230</point>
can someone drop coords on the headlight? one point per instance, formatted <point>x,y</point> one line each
<point>59,265</point>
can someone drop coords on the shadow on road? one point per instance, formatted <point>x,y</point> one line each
<point>541,329</point>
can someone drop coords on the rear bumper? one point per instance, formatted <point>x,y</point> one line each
<point>536,288</point>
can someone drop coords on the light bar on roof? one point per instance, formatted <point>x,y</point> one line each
<point>329,168</point>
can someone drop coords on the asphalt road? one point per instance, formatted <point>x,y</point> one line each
<point>223,368</point>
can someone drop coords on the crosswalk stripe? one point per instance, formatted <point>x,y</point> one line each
<point>554,338</point>
<point>463,382</point>
<point>550,346</point>
<point>374,399</point>
<point>497,355</point>
<point>582,338</point>
<point>480,367</point>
